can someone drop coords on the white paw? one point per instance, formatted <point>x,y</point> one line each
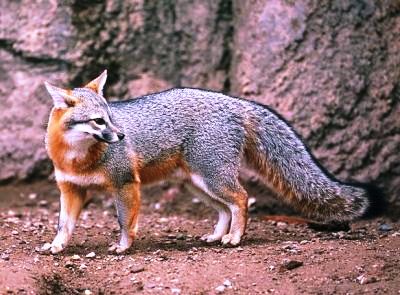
<point>53,248</point>
<point>116,248</point>
<point>230,239</point>
<point>46,247</point>
<point>210,238</point>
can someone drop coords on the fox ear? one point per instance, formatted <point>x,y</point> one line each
<point>97,84</point>
<point>61,98</point>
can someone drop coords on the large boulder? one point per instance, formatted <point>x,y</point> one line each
<point>332,69</point>
<point>34,39</point>
<point>146,46</point>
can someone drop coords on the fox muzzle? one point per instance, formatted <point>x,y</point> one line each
<point>109,136</point>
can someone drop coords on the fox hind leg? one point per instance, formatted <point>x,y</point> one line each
<point>224,215</point>
<point>72,199</point>
<point>230,199</point>
<point>222,226</point>
<point>127,205</point>
<point>236,200</point>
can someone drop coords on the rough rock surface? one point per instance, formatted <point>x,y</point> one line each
<point>332,69</point>
<point>146,46</point>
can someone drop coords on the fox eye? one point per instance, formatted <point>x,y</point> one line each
<point>99,121</point>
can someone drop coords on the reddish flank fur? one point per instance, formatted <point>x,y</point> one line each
<point>161,169</point>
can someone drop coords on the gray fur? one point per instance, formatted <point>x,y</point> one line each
<point>209,130</point>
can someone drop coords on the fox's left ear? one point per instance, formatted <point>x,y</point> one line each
<point>97,84</point>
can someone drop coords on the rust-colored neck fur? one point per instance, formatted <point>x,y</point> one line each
<point>58,148</point>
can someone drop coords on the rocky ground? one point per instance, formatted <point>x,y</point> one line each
<point>169,258</point>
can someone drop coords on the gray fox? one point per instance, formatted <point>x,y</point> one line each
<point>205,135</point>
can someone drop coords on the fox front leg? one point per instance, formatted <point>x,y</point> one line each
<point>127,204</point>
<point>72,199</point>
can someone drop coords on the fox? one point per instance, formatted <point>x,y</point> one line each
<point>201,135</point>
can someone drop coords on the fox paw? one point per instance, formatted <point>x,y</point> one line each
<point>52,248</point>
<point>116,248</point>
<point>230,239</point>
<point>210,238</point>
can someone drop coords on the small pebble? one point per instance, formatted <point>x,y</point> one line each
<point>385,227</point>
<point>32,196</point>
<point>11,213</point>
<point>150,285</point>
<point>290,264</point>
<point>5,256</point>
<point>91,255</point>
<point>364,279</point>
<point>227,283</point>
<point>163,220</point>
<point>43,203</point>
<point>137,269</point>
<point>281,224</point>
<point>180,237</point>
<point>220,289</point>
<point>196,200</point>
<point>75,257</point>
<point>251,201</point>
<point>82,266</point>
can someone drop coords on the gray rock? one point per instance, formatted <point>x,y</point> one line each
<point>290,264</point>
<point>220,289</point>
<point>385,227</point>
<point>309,62</point>
<point>5,256</point>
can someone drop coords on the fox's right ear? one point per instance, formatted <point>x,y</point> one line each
<point>61,98</point>
<point>97,84</point>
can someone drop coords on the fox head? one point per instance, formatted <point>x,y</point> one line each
<point>86,114</point>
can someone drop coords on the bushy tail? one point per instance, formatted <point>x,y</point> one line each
<point>283,161</point>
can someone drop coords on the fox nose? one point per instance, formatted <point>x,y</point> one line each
<point>120,135</point>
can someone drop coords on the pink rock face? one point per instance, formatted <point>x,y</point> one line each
<point>332,71</point>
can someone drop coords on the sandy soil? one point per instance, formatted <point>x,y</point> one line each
<point>169,258</point>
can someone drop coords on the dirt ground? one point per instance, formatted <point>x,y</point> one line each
<point>169,258</point>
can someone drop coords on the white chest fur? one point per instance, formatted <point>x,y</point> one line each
<point>80,179</point>
<point>79,144</point>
